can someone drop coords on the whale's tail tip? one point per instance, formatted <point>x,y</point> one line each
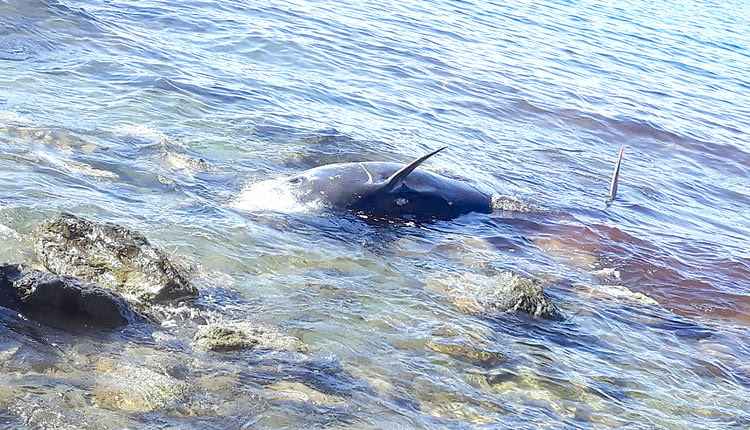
<point>615,177</point>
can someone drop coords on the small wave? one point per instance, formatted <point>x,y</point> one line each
<point>8,232</point>
<point>512,204</point>
<point>271,196</point>
<point>141,132</point>
<point>217,92</point>
<point>628,128</point>
<point>88,170</point>
<point>186,162</point>
<point>14,51</point>
<point>617,292</point>
<point>13,118</point>
<point>64,165</point>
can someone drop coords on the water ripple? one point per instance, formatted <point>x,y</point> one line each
<point>177,117</point>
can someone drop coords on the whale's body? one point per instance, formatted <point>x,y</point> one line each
<point>389,191</point>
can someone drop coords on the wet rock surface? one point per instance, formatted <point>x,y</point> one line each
<point>128,272</point>
<point>61,300</point>
<point>496,293</point>
<point>232,336</point>
<point>111,256</point>
<point>22,346</point>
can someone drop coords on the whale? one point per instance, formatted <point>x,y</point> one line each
<point>383,190</point>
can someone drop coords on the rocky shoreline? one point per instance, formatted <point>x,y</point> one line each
<point>107,275</point>
<point>158,345</point>
<point>103,276</point>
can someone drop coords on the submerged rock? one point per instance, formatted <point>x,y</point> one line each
<point>500,293</point>
<point>112,256</point>
<point>293,391</point>
<point>478,355</point>
<point>232,336</point>
<point>61,300</point>
<point>467,345</point>
<point>22,349</point>
<point>132,388</point>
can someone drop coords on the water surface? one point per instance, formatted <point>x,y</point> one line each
<point>169,117</point>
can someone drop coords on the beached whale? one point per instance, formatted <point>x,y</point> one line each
<point>389,190</point>
<point>394,191</point>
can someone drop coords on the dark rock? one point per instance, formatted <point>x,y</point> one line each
<point>111,256</point>
<point>61,301</point>
<point>8,296</point>
<point>24,346</point>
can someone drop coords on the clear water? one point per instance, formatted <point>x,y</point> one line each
<point>170,116</point>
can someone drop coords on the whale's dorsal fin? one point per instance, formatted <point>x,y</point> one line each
<point>396,179</point>
<point>615,176</point>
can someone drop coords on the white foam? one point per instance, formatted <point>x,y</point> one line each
<point>607,271</point>
<point>511,204</point>
<point>271,196</point>
<point>9,117</point>
<point>621,292</point>
<point>141,132</point>
<point>617,292</point>
<point>8,232</point>
<point>88,170</point>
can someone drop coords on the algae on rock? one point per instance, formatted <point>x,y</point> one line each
<point>112,256</point>
<point>232,336</point>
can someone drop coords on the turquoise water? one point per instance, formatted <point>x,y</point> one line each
<point>172,118</point>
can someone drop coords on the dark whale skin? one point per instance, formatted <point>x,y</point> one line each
<point>359,188</point>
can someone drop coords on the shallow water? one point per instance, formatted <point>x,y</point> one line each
<point>171,118</point>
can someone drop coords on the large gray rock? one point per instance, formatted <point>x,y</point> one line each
<point>61,301</point>
<point>111,256</point>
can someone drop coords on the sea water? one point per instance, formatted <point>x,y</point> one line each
<point>178,119</point>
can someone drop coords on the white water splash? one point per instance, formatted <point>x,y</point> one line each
<point>272,196</point>
<point>142,132</point>
<point>511,204</point>
<point>617,292</point>
<point>13,118</point>
<point>8,232</point>
<point>608,272</point>
<point>182,161</point>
